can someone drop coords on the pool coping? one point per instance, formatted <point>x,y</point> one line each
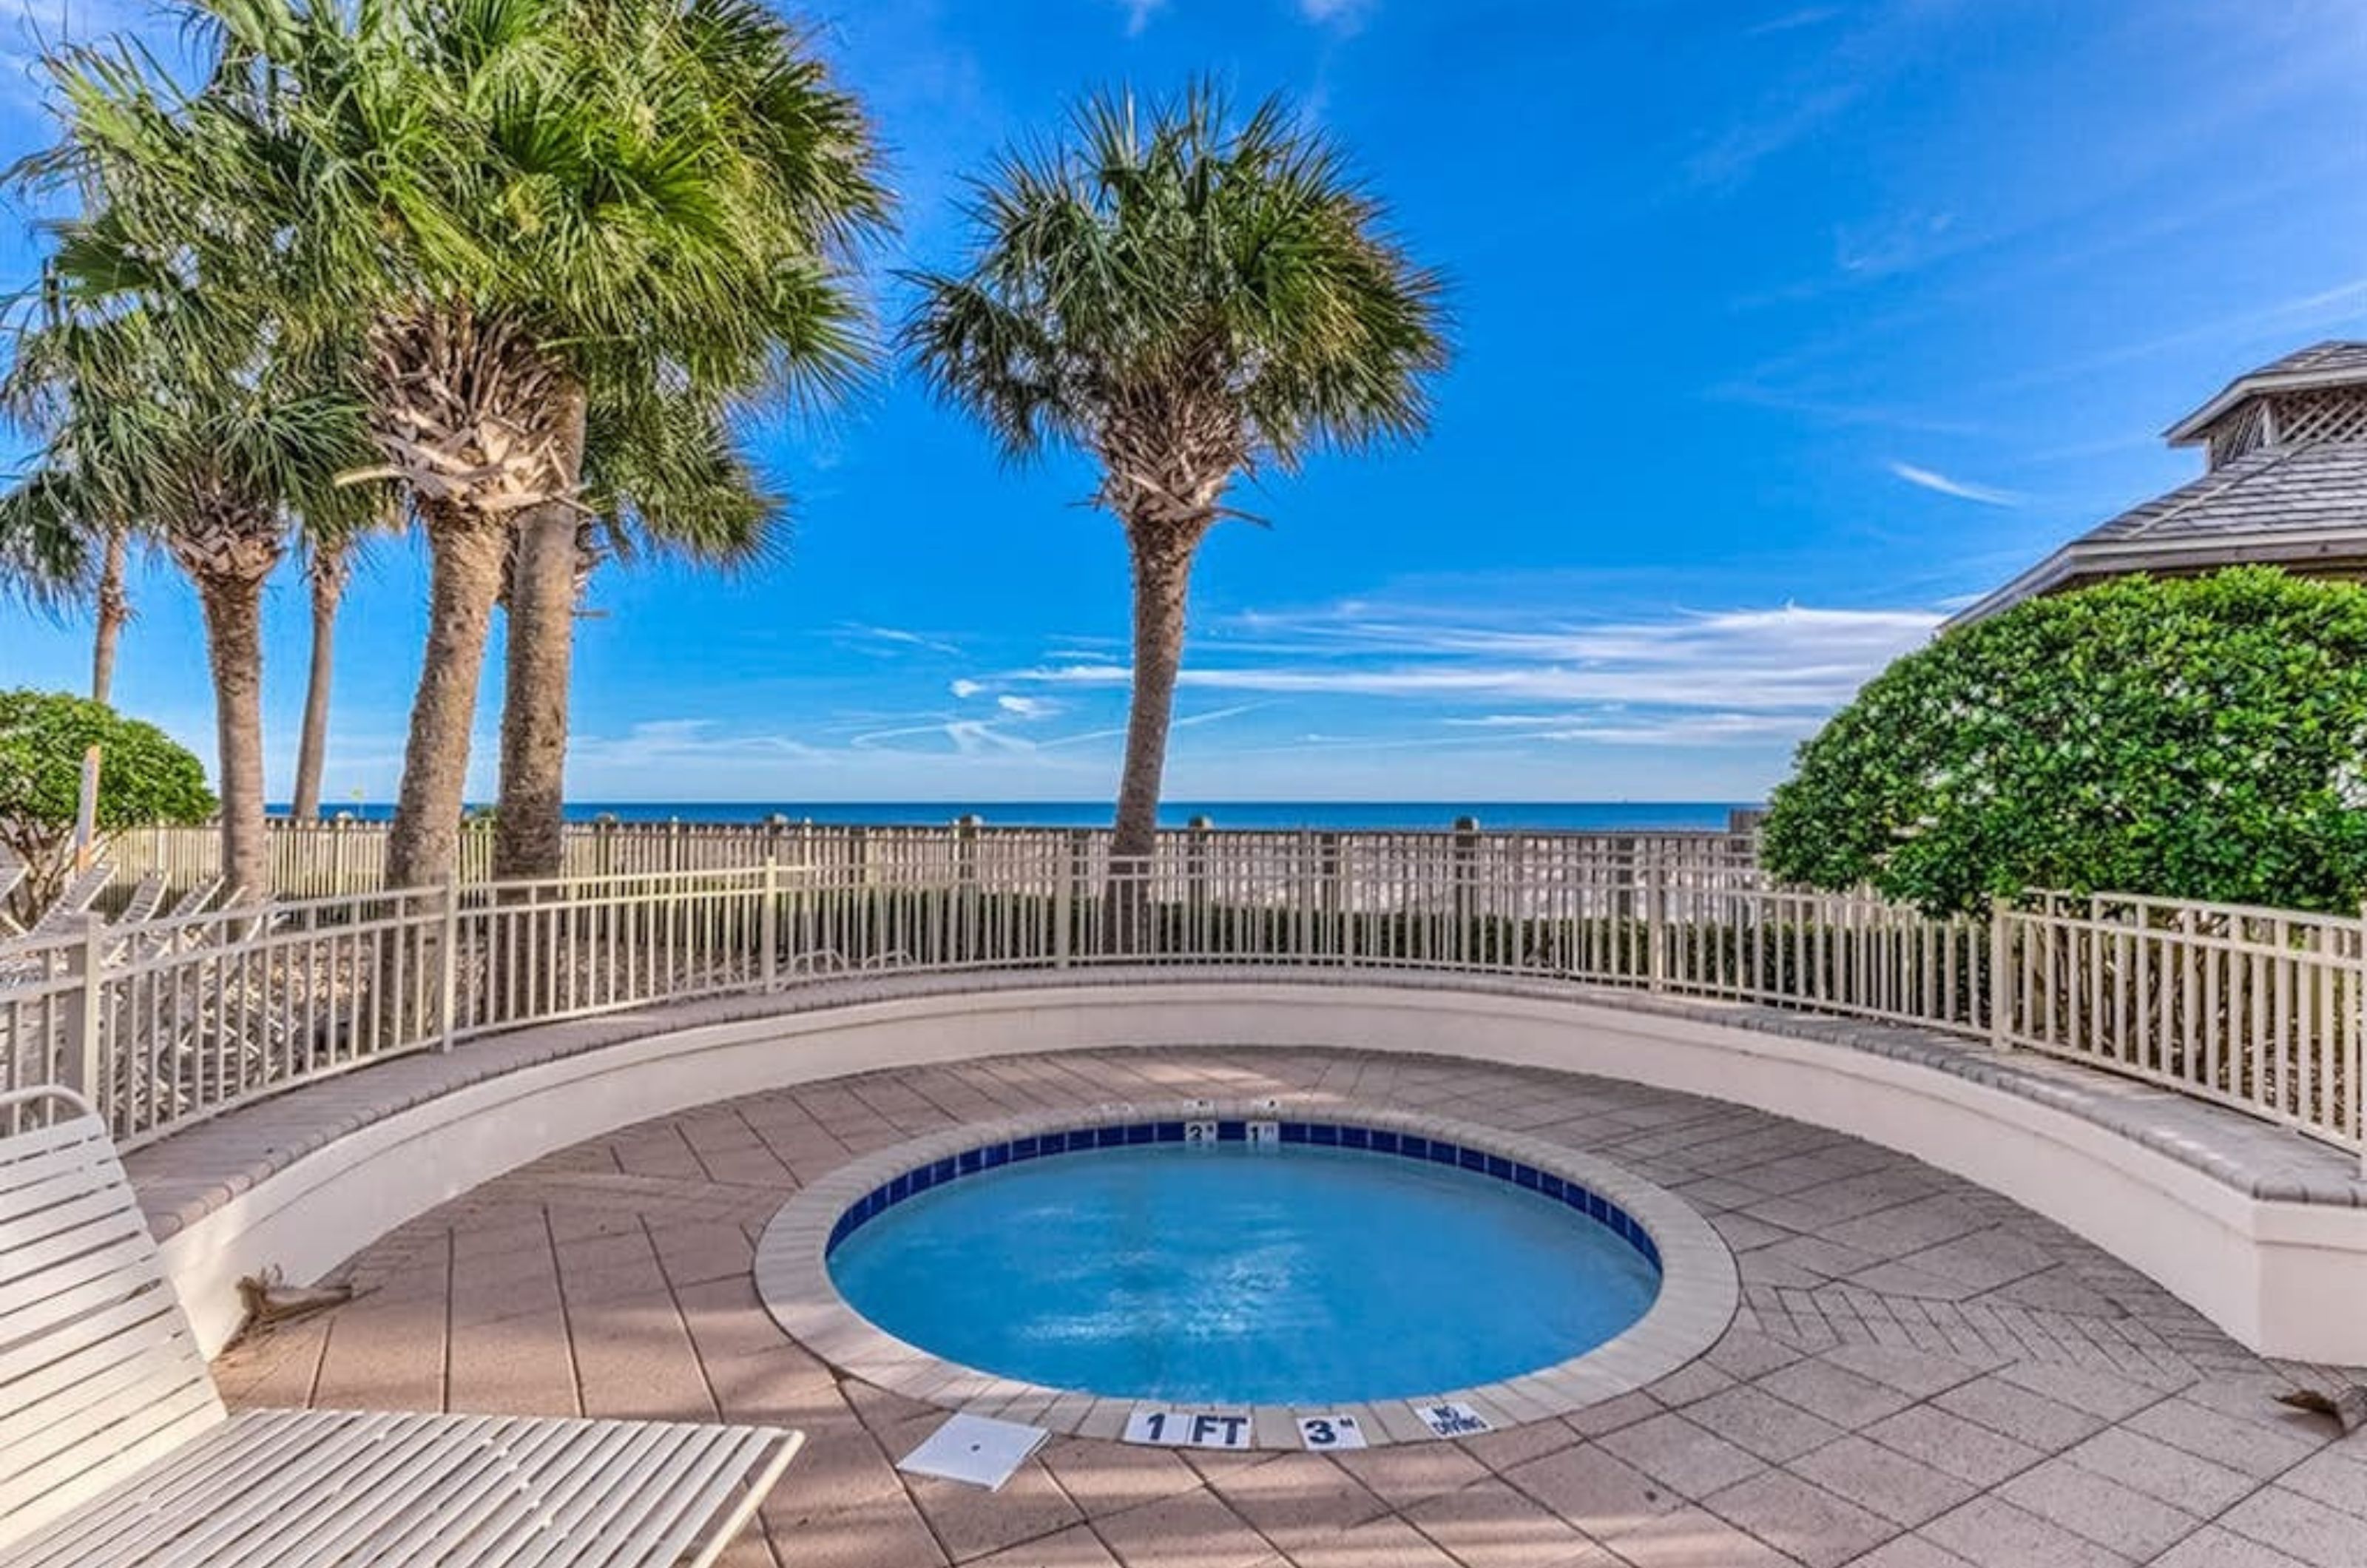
<point>1699,1293</point>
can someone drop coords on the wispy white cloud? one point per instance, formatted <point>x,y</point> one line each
<point>1028,707</point>
<point>1794,21</point>
<point>892,637</point>
<point>965,688</point>
<point>1961,489</point>
<point>1138,13</point>
<point>1334,13</point>
<point>1791,661</point>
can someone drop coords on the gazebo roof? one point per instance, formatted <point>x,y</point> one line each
<point>2287,486</point>
<point>2321,365</point>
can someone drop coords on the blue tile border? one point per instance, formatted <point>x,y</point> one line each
<point>1476,1161</point>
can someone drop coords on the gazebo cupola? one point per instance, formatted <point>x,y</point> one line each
<point>2286,484</point>
<point>2318,394</point>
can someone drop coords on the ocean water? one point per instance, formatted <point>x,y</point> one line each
<point>1570,816</point>
<point>1230,1275</point>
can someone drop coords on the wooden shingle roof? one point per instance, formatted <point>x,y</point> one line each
<point>2294,495</point>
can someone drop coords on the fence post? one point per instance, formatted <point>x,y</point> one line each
<point>1064,900</point>
<point>449,962</point>
<point>768,925</point>
<point>1655,931</point>
<point>2000,981</point>
<point>81,1069</point>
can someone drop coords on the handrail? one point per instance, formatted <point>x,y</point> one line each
<point>198,1013</point>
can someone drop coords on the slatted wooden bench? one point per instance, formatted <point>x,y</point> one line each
<point>115,1447</point>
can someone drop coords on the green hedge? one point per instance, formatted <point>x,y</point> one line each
<point>2199,738</point>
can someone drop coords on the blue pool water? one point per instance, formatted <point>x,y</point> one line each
<point>1234,1275</point>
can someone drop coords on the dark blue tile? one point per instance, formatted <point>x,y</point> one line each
<point>1109,1137</point>
<point>1500,1167</point>
<point>1232,1132</point>
<point>1023,1148</point>
<point>901,1189</point>
<point>997,1154</point>
<point>1355,1138</point>
<point>1441,1153</point>
<point>1323,1134</point>
<point>1171,1132</point>
<point>1550,1185</point>
<point>1471,1160</point>
<point>944,1169</point>
<point>1411,1146</point>
<point>1293,1132</point>
<point>1525,1175</point>
<point>1382,1142</point>
<point>972,1161</point>
<point>1596,1207</point>
<point>1140,1133</point>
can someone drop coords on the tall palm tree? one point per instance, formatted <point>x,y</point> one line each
<point>533,210</point>
<point>156,412</point>
<point>1192,298</point>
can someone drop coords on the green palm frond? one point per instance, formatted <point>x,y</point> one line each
<point>1172,262</point>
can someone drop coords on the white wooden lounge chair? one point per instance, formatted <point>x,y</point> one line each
<point>116,1450</point>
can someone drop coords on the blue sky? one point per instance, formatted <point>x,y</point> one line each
<point>1781,327</point>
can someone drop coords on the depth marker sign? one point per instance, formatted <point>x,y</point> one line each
<point>1189,1429</point>
<point>1329,1434</point>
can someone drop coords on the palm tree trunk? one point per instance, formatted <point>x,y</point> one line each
<point>528,826</point>
<point>329,568</point>
<point>464,579</point>
<point>114,609</point>
<point>232,605</point>
<point>1162,582</point>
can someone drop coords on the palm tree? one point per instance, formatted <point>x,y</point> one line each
<point>1192,300</point>
<point>532,210</point>
<point>156,412</point>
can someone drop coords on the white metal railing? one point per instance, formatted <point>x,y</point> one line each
<point>316,860</point>
<point>170,1020</point>
<point>2258,1008</point>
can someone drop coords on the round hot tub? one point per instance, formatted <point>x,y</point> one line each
<point>1238,1258</point>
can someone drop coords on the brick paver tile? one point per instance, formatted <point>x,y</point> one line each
<point>2166,1474</point>
<point>1838,1394</point>
<point>1694,1537</point>
<point>2212,1546</point>
<point>1946,1441</point>
<point>2007,1408</point>
<point>2335,1476</point>
<point>1193,1529</point>
<point>1594,1490</point>
<point>1990,1533</point>
<point>971,1522</point>
<point>1902,1490</point>
<point>2100,1393</point>
<point>1800,1519</point>
<point>873,1534</point>
<point>1074,1547</point>
<point>1295,1499</point>
<point>2104,1511</point>
<point>1407,1473</point>
<point>1911,1552</point>
<point>1772,1429</point>
<point>2258,1450</point>
<point>1687,1457</point>
<point>1492,1524</point>
<point>2300,1526</point>
<point>1384,1543</point>
<point>1916,1373</point>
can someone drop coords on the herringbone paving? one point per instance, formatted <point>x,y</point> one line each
<point>1922,1374</point>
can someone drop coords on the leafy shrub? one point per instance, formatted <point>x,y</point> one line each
<point>144,776</point>
<point>2201,738</point>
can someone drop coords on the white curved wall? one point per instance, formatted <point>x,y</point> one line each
<point>2285,1279</point>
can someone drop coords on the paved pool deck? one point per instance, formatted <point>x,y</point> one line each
<point>1921,1374</point>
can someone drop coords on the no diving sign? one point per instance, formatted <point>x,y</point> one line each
<point>1451,1417</point>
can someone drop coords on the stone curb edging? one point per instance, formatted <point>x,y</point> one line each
<point>1699,1291</point>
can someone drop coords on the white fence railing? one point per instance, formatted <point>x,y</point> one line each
<point>167,1021</point>
<point>320,860</point>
